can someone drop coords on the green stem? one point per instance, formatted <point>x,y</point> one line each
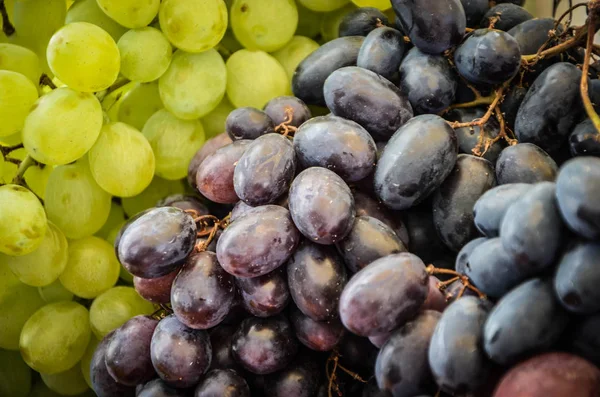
<point>7,26</point>
<point>587,103</point>
<point>27,162</point>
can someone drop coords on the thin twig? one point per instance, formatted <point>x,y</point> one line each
<point>6,150</point>
<point>47,81</point>
<point>587,103</point>
<point>432,270</point>
<point>498,95</point>
<point>529,60</point>
<point>120,83</point>
<point>7,27</point>
<point>27,162</point>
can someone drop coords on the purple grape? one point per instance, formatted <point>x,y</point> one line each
<point>158,388</point>
<point>240,209</point>
<point>209,147</point>
<point>156,290</point>
<point>222,383</point>
<point>266,295</point>
<point>248,123</point>
<point>103,384</point>
<point>280,108</point>
<point>184,202</point>
<point>435,298</point>
<point>316,335</point>
<point>299,379</point>
<point>220,340</point>
<point>367,206</point>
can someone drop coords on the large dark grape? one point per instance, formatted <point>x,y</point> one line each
<point>156,290</point>
<point>184,202</point>
<point>340,145</point>
<point>266,295</point>
<point>585,140</point>
<point>551,107</point>
<point>511,103</point>
<point>248,123</point>
<point>316,278</point>
<point>363,96</point>
<point>424,240</point>
<point>180,355</point>
<point>470,138</point>
<point>258,243</point>
<point>209,147</point>
<point>264,345</point>
<point>221,383</point>
<point>310,75</point>
<point>432,25</point>
<point>532,34</point>
<point>505,16</point>
<point>321,205</point>
<point>220,340</point>
<point>577,191</point>
<point>287,109</point>
<point>474,11</point>
<point>361,21</point>
<point>525,320</point>
<point>316,335</point>
<point>202,292</point>
<point>489,210</point>
<point>441,81</point>
<point>103,383</point>
<point>367,206</point>
<point>382,51</point>
<point>415,162</point>
<point>525,163</point>
<point>583,338</point>
<point>462,259</point>
<point>384,295</point>
<point>156,243</point>
<point>402,366</point>
<point>158,388</point>
<point>265,170</point>
<point>239,210</point>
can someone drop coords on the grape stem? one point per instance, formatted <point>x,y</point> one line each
<point>7,26</point>
<point>27,162</point>
<point>6,150</point>
<point>594,8</point>
<point>117,84</point>
<point>47,81</point>
<point>332,375</point>
<point>208,226</point>
<point>285,128</point>
<point>432,271</point>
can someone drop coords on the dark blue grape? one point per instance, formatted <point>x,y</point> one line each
<point>316,335</point>
<point>300,379</point>
<point>367,206</point>
<point>361,21</point>
<point>525,163</point>
<point>221,383</point>
<point>585,140</point>
<point>532,34</point>
<point>158,388</point>
<point>511,103</point>
<point>474,11</point>
<point>184,202</point>
<point>489,210</point>
<point>462,259</point>
<point>287,109</point>
<point>505,16</point>
<point>470,138</point>
<point>157,242</point>
<point>248,123</point>
<point>209,147</point>
<point>239,210</point>
<point>363,96</point>
<point>266,295</point>
<point>583,338</point>
<point>382,52</point>
<point>424,240</point>
<point>103,384</point>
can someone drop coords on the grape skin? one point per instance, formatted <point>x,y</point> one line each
<point>362,21</point>
<point>266,295</point>
<point>316,335</point>
<point>248,123</point>
<point>382,52</point>
<point>509,16</point>
<point>222,382</point>
<point>209,147</point>
<point>525,163</point>
<point>490,208</point>
<point>576,277</point>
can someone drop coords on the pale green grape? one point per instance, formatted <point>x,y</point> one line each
<point>15,375</point>
<point>63,126</point>
<point>92,267</point>
<point>75,202</point>
<point>145,54</point>
<point>17,95</point>
<point>84,364</point>
<point>68,383</point>
<point>214,122</point>
<point>323,5</point>
<point>116,216</point>
<point>55,292</point>
<point>122,161</point>
<point>137,105</point>
<point>193,25</point>
<point>330,25</point>
<point>8,172</point>
<point>254,78</point>
<point>264,24</point>
<point>112,101</point>
<point>309,22</point>
<point>294,52</point>
<point>11,140</point>
<point>174,143</point>
<point>130,13</point>
<point>114,307</point>
<point>21,60</point>
<point>36,178</point>
<point>84,57</point>
<point>88,11</point>
<point>112,236</point>
<point>22,220</point>
<point>42,266</point>
<point>157,190</point>
<point>2,162</point>
<point>55,337</point>
<point>69,3</point>
<point>194,84</point>
<point>380,4</point>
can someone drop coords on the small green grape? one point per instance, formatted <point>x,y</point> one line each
<point>15,375</point>
<point>55,337</point>
<point>116,217</point>
<point>37,177</point>
<point>122,161</point>
<point>86,360</point>
<point>21,60</point>
<point>22,221</point>
<point>138,104</point>
<point>89,11</point>
<point>380,4</point>
<point>157,190</point>
<point>84,57</point>
<point>8,172</point>
<point>145,54</point>
<point>214,122</point>
<point>17,95</point>
<point>294,52</point>
<point>55,292</point>
<point>130,13</point>
<point>330,25</point>
<point>323,5</point>
<point>68,383</point>
<point>309,22</point>
<point>11,140</point>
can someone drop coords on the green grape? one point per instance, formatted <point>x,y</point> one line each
<point>112,235</point>
<point>88,11</point>
<point>228,45</point>
<point>194,84</point>
<point>84,364</point>
<point>264,24</point>
<point>214,122</point>
<point>309,22</point>
<point>157,190</point>
<point>380,4</point>
<point>11,140</point>
<point>17,95</point>
<point>22,220</point>
<point>55,337</point>
<point>130,13</point>
<point>174,142</point>
<point>193,25</point>
<point>116,216</point>
<point>68,383</point>
<point>111,102</point>
<point>145,54</point>
<point>330,25</point>
<point>15,375</point>
<point>36,178</point>
<point>254,78</point>
<point>125,275</point>
<point>137,105</point>
<point>69,3</point>
<point>42,266</point>
<point>2,162</point>
<point>21,60</point>
<point>323,5</point>
<point>114,307</point>
<point>55,292</point>
<point>294,52</point>
<point>8,172</point>
<point>84,57</point>
<point>63,126</point>
<point>75,202</point>
<point>121,160</point>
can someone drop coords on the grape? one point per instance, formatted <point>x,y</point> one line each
<point>15,375</point>
<point>84,57</point>
<point>380,4</point>
<point>36,178</point>
<point>130,13</point>
<point>264,345</point>
<point>316,335</point>
<point>433,26</point>
<point>67,383</point>
<point>222,382</point>
<point>309,21</point>
<point>17,95</point>
<point>301,378</point>
<point>42,266</point>
<point>116,217</point>
<point>266,295</point>
<point>265,170</point>
<point>367,206</point>
<point>582,338</point>
<point>121,160</point>
<point>584,139</point>
<point>577,188</point>
<point>279,109</point>
<point>254,78</point>
<point>211,146</point>
<point>525,163</point>
<point>145,54</point>
<point>75,202</point>
<point>214,122</point>
<point>310,75</point>
<point>258,243</point>
<point>103,384</point>
<point>490,208</point>
<point>55,337</point>
<point>384,295</point>
<point>55,292</point>
<point>340,145</point>
<point>158,388</point>
<point>330,25</point>
<point>241,209</point>
<point>576,277</point>
<point>157,190</point>
<point>22,221</point>
<point>248,123</point>
<point>361,21</point>
<point>138,104</point>
<point>435,297</point>
<point>180,355</point>
<point>193,25</point>
<point>294,52</point>
<point>429,151</point>
<point>84,364</point>
<point>220,340</point>
<point>442,81</point>
<point>323,5</point>
<point>89,11</point>
<point>156,290</point>
<point>402,366</point>
<point>184,202</point>
<point>472,138</point>
<point>194,84</point>
<point>511,103</point>
<point>506,15</point>
<point>114,307</point>
<point>21,60</point>
<point>532,34</point>
<point>382,52</point>
<point>474,11</point>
